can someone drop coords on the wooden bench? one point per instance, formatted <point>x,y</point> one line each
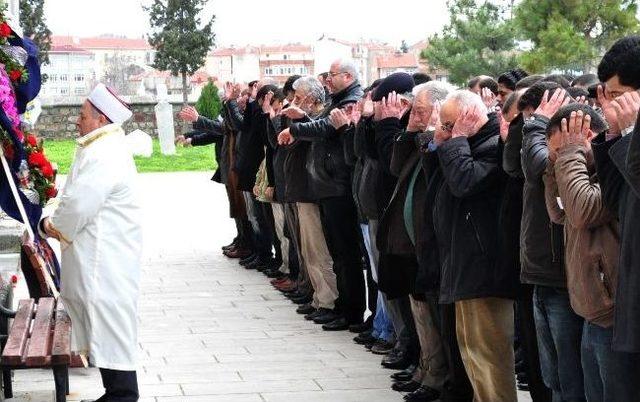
<point>39,338</point>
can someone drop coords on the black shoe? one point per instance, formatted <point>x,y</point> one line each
<point>312,316</point>
<point>233,245</point>
<point>339,324</point>
<point>364,338</point>
<point>396,360</point>
<point>257,262</point>
<point>423,394</point>
<point>404,375</point>
<point>358,328</point>
<point>274,274</point>
<point>302,300</point>
<point>406,386</point>
<point>382,347</point>
<point>248,260</point>
<point>325,317</point>
<point>305,309</point>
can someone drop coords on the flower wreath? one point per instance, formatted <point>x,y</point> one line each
<point>36,174</point>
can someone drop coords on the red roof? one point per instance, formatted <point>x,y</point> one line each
<point>292,47</point>
<point>69,49</point>
<point>398,60</point>
<point>102,43</point>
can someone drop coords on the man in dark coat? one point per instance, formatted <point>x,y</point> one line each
<point>331,184</point>
<point>617,159</point>
<point>466,216</point>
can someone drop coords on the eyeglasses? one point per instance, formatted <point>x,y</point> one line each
<point>334,74</point>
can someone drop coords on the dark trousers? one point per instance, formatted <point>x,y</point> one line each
<point>342,233</point>
<point>119,386</point>
<point>608,375</point>
<point>457,386</point>
<point>262,235</point>
<point>526,330</point>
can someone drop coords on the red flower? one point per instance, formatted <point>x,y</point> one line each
<point>47,170</point>
<point>37,159</point>
<point>8,150</point>
<point>15,75</point>
<point>32,140</point>
<point>14,279</point>
<point>51,192</point>
<point>5,30</point>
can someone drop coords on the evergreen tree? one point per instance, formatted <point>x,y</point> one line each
<point>181,41</point>
<point>34,24</point>
<point>209,104</point>
<point>572,35</point>
<point>478,40</point>
<point>404,48</point>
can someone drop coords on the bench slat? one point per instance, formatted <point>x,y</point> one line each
<point>39,351</point>
<point>61,349</point>
<point>18,335</point>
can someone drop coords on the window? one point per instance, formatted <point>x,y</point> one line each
<point>64,91</point>
<point>79,77</point>
<point>53,78</point>
<point>64,77</point>
<point>268,71</point>
<point>79,91</point>
<point>285,57</point>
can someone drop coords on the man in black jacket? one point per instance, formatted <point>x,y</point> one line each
<point>558,328</point>
<point>466,216</point>
<point>617,156</point>
<point>331,184</point>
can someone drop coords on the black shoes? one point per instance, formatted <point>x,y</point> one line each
<point>248,260</point>
<point>404,375</point>
<point>396,360</point>
<point>325,316</point>
<point>364,338</point>
<point>406,386</point>
<point>305,309</point>
<point>339,324</point>
<point>312,316</point>
<point>423,394</point>
<point>304,299</point>
<point>382,347</point>
<point>359,328</point>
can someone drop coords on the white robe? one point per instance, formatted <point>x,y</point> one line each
<point>99,222</point>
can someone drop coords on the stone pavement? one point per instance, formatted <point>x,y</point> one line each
<point>211,331</point>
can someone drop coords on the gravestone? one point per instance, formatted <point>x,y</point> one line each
<point>164,121</point>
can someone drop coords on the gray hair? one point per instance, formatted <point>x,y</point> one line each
<point>437,90</point>
<point>311,86</point>
<point>348,66</point>
<point>466,98</point>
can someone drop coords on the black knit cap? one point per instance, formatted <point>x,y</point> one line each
<point>399,82</point>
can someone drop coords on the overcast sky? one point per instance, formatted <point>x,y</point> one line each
<point>256,22</point>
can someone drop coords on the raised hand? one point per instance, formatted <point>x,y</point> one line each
<point>293,112</point>
<point>285,138</point>
<point>266,105</point>
<point>338,118</point>
<point>626,107</point>
<point>368,106</point>
<point>488,98</point>
<point>189,114</point>
<point>575,131</point>
<point>468,122</point>
<point>609,111</point>
<point>391,106</point>
<point>549,107</point>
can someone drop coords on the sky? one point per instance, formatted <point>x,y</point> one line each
<point>240,22</point>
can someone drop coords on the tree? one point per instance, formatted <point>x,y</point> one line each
<point>34,24</point>
<point>181,42</point>
<point>117,72</point>
<point>209,104</point>
<point>572,34</point>
<point>478,40</point>
<point>404,48</point>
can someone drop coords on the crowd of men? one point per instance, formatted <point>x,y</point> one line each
<point>489,230</point>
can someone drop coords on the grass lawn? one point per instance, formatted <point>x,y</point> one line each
<point>185,159</point>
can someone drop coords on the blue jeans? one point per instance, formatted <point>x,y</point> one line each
<point>559,335</point>
<point>608,375</point>
<point>382,326</point>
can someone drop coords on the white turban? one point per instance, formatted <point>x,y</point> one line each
<point>108,103</point>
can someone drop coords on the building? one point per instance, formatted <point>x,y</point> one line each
<point>280,62</point>
<point>435,73</point>
<point>396,62</point>
<point>70,72</point>
<point>234,64</point>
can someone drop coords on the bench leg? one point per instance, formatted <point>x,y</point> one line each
<point>7,382</point>
<point>61,378</point>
